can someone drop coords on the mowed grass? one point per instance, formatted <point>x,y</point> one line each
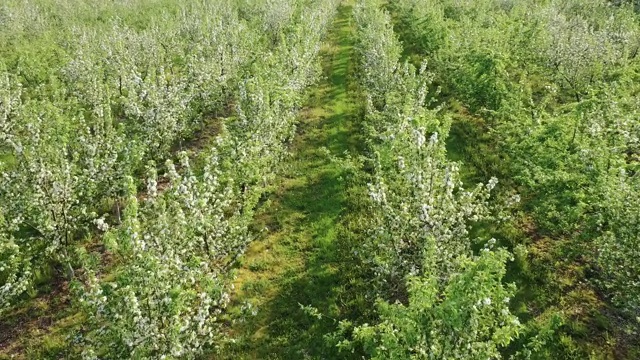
<point>296,260</point>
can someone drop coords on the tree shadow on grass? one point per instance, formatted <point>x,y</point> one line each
<point>308,210</point>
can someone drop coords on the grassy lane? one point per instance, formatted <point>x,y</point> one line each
<point>297,261</point>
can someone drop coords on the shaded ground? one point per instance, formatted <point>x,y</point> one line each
<point>297,260</point>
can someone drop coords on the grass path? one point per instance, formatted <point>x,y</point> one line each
<point>297,261</point>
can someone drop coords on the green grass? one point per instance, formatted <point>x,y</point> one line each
<point>297,261</point>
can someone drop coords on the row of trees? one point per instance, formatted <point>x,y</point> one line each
<point>82,140</point>
<point>75,127</point>
<point>554,86</point>
<point>436,297</point>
